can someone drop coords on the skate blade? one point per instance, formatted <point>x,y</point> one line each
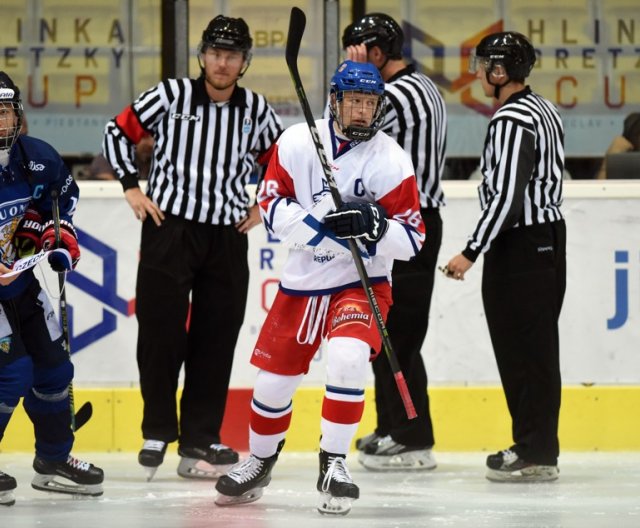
<point>7,498</point>
<point>404,462</point>
<point>195,468</point>
<point>150,472</point>
<point>329,505</point>
<point>49,483</point>
<point>535,474</point>
<point>250,496</point>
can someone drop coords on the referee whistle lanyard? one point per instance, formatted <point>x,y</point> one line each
<point>315,315</point>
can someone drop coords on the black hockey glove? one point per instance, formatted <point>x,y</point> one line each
<point>365,221</point>
<point>26,238</point>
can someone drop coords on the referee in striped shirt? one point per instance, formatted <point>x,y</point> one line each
<point>522,234</point>
<point>416,118</point>
<point>209,133</point>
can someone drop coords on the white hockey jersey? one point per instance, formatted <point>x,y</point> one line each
<point>294,194</point>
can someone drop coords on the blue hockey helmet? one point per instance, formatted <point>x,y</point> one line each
<point>362,77</point>
<point>357,76</point>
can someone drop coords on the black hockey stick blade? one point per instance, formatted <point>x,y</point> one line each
<point>83,415</point>
<point>297,23</point>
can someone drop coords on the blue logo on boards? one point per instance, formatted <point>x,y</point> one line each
<point>105,293</point>
<point>621,289</point>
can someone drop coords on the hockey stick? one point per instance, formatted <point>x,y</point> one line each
<point>297,23</point>
<point>84,413</point>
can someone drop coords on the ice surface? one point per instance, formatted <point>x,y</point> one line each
<point>594,490</point>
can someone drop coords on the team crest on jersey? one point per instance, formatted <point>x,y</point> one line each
<point>247,124</point>
<point>350,312</point>
<point>5,344</point>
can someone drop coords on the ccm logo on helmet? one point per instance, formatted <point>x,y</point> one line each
<point>185,117</point>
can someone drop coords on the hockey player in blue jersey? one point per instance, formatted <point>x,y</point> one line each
<point>34,362</point>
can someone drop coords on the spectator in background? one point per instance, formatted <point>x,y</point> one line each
<point>100,169</point>
<point>629,141</point>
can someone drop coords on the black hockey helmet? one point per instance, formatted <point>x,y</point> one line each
<point>10,96</point>
<point>510,49</point>
<point>376,29</point>
<point>227,33</point>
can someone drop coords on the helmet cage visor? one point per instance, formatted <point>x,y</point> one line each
<point>356,132</point>
<point>10,122</point>
<point>480,63</point>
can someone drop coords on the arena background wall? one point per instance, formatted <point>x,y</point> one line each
<point>79,63</point>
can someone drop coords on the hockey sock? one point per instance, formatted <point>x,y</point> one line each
<point>48,407</point>
<point>271,410</point>
<point>343,404</point>
<point>15,380</point>
<point>342,410</point>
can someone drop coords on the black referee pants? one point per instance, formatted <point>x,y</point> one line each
<point>207,264</point>
<point>523,287</point>
<point>407,324</point>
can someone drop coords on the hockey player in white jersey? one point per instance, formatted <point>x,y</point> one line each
<point>320,295</point>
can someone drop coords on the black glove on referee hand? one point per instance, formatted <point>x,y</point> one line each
<point>358,220</point>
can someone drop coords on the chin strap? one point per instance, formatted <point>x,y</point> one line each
<point>496,87</point>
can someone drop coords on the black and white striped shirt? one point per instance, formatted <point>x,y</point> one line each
<point>204,152</point>
<point>416,118</point>
<point>522,168</point>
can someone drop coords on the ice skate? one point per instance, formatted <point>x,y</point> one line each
<point>506,466</point>
<point>209,463</point>
<point>245,482</point>
<point>7,485</point>
<point>385,454</point>
<point>151,456</point>
<point>366,440</point>
<point>336,487</point>
<point>74,477</point>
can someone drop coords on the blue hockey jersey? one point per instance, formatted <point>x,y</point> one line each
<point>35,169</point>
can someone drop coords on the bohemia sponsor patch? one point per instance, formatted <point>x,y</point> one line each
<point>351,311</point>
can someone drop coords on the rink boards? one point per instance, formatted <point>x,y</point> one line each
<point>600,330</point>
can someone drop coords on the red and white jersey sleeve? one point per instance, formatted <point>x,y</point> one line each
<point>377,170</point>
